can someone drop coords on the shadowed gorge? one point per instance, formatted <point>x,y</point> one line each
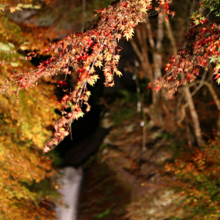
<point>112,107</point>
<point>81,152</point>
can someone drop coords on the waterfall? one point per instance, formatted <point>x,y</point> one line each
<point>72,177</point>
<point>70,186</point>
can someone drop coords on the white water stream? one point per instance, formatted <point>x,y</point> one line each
<point>70,186</point>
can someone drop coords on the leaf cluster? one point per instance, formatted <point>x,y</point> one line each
<point>24,129</point>
<point>196,178</point>
<point>201,47</point>
<point>213,5</point>
<point>83,53</point>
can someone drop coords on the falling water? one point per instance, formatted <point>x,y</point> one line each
<point>70,186</point>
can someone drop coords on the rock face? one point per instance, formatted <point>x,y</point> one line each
<point>70,187</point>
<point>140,173</point>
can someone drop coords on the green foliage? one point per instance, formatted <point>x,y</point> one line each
<point>124,108</point>
<point>103,214</point>
<point>213,5</point>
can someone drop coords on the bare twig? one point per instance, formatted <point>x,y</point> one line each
<point>83,14</point>
<point>211,90</point>
<point>200,84</point>
<point>137,87</point>
<point>143,124</point>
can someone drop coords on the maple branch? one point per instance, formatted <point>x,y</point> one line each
<point>83,52</point>
<point>188,95</point>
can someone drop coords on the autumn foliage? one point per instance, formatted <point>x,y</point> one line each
<point>82,53</point>
<point>200,49</point>
<point>195,175</point>
<point>26,176</point>
<point>25,128</point>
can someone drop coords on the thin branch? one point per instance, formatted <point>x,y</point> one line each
<point>200,85</point>
<point>188,96</point>
<point>211,90</point>
<point>143,124</point>
<point>149,31</point>
<point>137,87</point>
<point>83,14</point>
<point>137,51</point>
